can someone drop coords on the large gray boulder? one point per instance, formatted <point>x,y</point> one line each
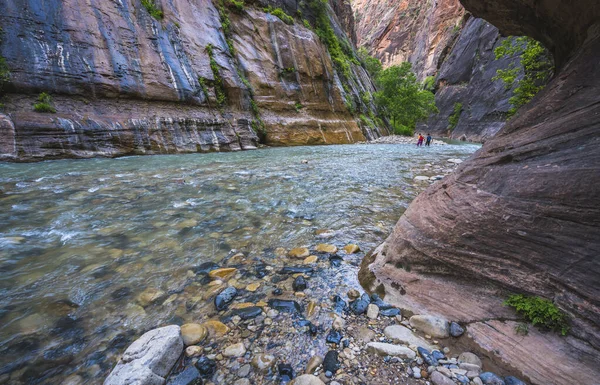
<point>149,359</point>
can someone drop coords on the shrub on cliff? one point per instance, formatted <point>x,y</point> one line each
<point>372,64</point>
<point>280,13</point>
<point>540,312</point>
<point>455,116</point>
<point>537,67</point>
<point>402,98</point>
<point>43,104</point>
<point>152,9</point>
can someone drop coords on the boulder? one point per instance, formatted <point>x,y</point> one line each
<point>149,359</point>
<point>384,349</point>
<point>434,326</point>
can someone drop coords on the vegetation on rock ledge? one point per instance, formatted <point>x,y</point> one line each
<point>540,312</point>
<point>152,9</point>
<point>455,116</point>
<point>43,104</point>
<point>537,68</point>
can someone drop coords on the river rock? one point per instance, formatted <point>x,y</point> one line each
<point>313,364</point>
<point>428,358</point>
<point>216,328</point>
<point>470,358</point>
<point>286,372</point>
<point>339,305</point>
<point>393,312</point>
<point>469,367</point>
<point>434,326</point>
<point>403,335</point>
<point>206,367</point>
<point>326,248</point>
<point>338,323</point>
<point>299,252</point>
<point>223,273</point>
<point>372,311</point>
<point>438,378</point>
<point>456,330</point>
<point>299,284</point>
<point>360,305</point>
<point>193,351</point>
<point>253,287</point>
<point>193,334</point>
<point>489,378</point>
<point>235,350</point>
<point>247,313</point>
<point>263,362</point>
<point>224,298</point>
<point>334,337</point>
<point>296,270</point>
<point>353,294</point>
<point>283,305</point>
<point>150,296</point>
<point>477,381</point>
<point>190,376</point>
<point>331,363</point>
<point>149,359</point>
<point>307,379</point>
<point>310,259</point>
<point>510,380</point>
<point>351,249</point>
<point>242,381</point>
<point>384,349</point>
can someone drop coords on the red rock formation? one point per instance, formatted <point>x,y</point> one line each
<point>523,213</point>
<point>420,32</point>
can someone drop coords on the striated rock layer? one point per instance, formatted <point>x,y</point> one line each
<point>523,214</point>
<point>125,83</point>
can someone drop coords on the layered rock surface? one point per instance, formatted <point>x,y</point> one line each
<point>522,214</point>
<point>125,83</point>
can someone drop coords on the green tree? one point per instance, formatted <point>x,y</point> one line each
<point>402,98</point>
<point>372,64</point>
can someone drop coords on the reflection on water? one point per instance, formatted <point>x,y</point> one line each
<point>81,239</point>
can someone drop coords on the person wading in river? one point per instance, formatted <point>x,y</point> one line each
<point>420,140</point>
<point>428,142</point>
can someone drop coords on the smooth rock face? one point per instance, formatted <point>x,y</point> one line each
<point>148,360</point>
<point>533,187</point>
<point>125,83</point>
<point>384,349</point>
<point>434,326</point>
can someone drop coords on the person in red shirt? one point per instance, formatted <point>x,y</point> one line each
<point>420,140</point>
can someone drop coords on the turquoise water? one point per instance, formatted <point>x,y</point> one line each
<point>75,232</point>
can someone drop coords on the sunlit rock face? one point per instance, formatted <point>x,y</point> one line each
<point>522,214</point>
<point>125,83</point>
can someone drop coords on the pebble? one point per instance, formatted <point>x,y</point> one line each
<point>235,350</point>
<point>416,372</point>
<point>311,259</point>
<point>351,249</point>
<point>456,330</point>
<point>224,298</point>
<point>390,312</point>
<point>285,305</point>
<point>299,252</point>
<point>438,378</point>
<point>359,306</point>
<point>216,328</point>
<point>286,372</point>
<point>313,364</point>
<point>253,286</point>
<point>307,379</point>
<point>263,362</point>
<point>299,284</point>
<point>338,323</point>
<point>190,376</point>
<point>244,371</point>
<point>242,381</point>
<point>385,349</point>
<point>477,381</point>
<point>372,311</point>
<point>331,363</point>
<point>222,273</point>
<point>206,367</point>
<point>353,294</point>
<point>193,351</point>
<point>247,312</point>
<point>489,378</point>
<point>193,334</point>
<point>150,296</point>
<point>334,337</point>
<point>427,356</point>
<point>326,248</point>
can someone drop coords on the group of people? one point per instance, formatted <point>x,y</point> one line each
<point>421,138</point>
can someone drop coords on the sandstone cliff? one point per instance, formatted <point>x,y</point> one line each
<point>444,43</point>
<point>522,214</point>
<point>124,82</point>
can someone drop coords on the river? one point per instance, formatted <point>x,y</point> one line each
<point>81,239</point>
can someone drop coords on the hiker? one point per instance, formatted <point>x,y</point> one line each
<point>420,140</point>
<point>428,142</point>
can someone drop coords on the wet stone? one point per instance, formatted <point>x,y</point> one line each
<point>205,267</point>
<point>299,284</point>
<point>206,367</point>
<point>462,379</point>
<point>287,306</point>
<point>121,293</point>
<point>436,354</point>
<point>296,270</point>
<point>334,337</point>
<point>286,372</point>
<point>277,291</point>
<point>456,330</point>
<point>331,363</point>
<point>247,312</point>
<point>224,298</point>
<point>335,261</point>
<point>190,376</point>
<point>489,378</point>
<point>360,305</point>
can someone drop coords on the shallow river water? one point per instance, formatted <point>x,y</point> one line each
<point>81,239</point>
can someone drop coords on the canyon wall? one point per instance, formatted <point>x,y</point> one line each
<point>123,82</point>
<point>522,215</point>
<point>445,43</point>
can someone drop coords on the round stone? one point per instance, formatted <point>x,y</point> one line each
<point>193,334</point>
